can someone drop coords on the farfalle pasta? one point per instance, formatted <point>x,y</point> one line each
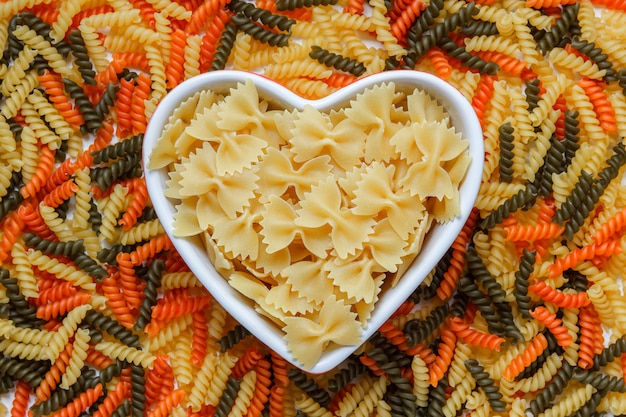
<point>309,213</point>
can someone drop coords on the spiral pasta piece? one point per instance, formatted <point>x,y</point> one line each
<point>577,397</point>
<point>94,46</point>
<point>174,71</point>
<point>43,47</point>
<point>527,43</point>
<point>18,96</point>
<point>14,75</point>
<point>310,407</point>
<point>60,194</point>
<point>402,23</point>
<point>24,351</point>
<point>113,399</point>
<point>482,96</point>
<point>535,232</point>
<point>601,105</point>
<point>12,225</point>
<point>475,337</point>
<point>610,228</point>
<point>383,30</point>
<point>311,89</point>
<point>587,68</point>
<point>491,43</point>
<point>601,304</point>
<point>32,219</point>
<point>21,398</point>
<point>141,232</point>
<point>371,400</point>
<point>168,334</point>
<point>260,393</point>
<point>165,406</point>
<point>25,276</point>
<point>119,351</point>
<point>60,307</point>
<point>61,270</point>
<point>589,125</point>
<point>77,359</point>
<point>138,104</point>
<point>553,324</point>
<point>460,394</point>
<point>51,115</point>
<point>559,298</point>
<point>444,357</point>
<point>525,357</point>
<point>578,255</point>
<point>217,384</point>
<point>245,395</point>
<point>53,86</point>
<point>588,322</point>
<point>157,76</point>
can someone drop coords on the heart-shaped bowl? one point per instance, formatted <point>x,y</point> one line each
<point>437,241</point>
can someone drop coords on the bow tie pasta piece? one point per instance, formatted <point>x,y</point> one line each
<point>354,277</point>
<point>448,208</point>
<point>204,125</point>
<point>373,112</point>
<point>284,298</point>
<point>185,142</point>
<point>350,180</point>
<point>257,291</point>
<point>414,246</point>
<point>199,176</point>
<point>284,122</point>
<point>238,236</point>
<point>242,111</point>
<point>438,141</point>
<point>190,108</point>
<point>186,218</point>
<point>165,151</point>
<point>322,206</point>
<point>309,336</point>
<point>314,134</point>
<point>220,261</point>
<point>279,230</point>
<point>438,144</point>
<point>279,173</point>
<point>364,309</point>
<point>269,264</point>
<point>248,285</point>
<point>169,144</point>
<point>387,247</point>
<point>234,151</point>
<point>422,107</point>
<point>310,280</point>
<point>405,145</point>
<point>376,191</point>
<point>208,211</point>
<point>172,189</point>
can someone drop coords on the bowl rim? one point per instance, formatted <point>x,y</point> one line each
<point>462,116</point>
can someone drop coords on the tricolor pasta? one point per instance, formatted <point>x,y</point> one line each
<point>524,314</point>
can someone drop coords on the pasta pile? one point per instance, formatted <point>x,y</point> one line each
<point>307,213</point>
<point>524,314</point>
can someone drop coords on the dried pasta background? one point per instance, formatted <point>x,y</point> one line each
<point>525,313</point>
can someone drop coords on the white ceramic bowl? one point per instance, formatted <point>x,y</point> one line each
<point>437,242</point>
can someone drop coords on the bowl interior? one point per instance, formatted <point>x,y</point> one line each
<point>436,243</point>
